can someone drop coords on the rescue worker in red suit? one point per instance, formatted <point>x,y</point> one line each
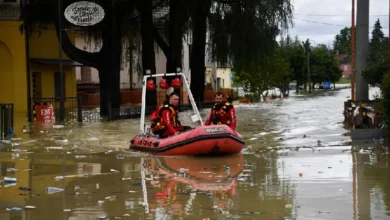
<point>222,112</point>
<point>165,120</point>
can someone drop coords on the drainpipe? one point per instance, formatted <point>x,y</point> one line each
<point>23,5</point>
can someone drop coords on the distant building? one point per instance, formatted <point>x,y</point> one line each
<point>346,68</point>
<point>345,65</point>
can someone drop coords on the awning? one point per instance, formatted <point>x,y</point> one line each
<point>55,62</point>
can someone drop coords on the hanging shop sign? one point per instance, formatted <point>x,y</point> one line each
<point>84,13</point>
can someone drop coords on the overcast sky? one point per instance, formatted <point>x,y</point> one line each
<point>337,15</point>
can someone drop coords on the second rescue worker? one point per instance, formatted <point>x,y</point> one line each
<point>222,112</point>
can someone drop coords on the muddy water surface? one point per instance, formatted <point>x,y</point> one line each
<point>86,172</point>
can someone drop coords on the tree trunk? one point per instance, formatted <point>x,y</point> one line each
<point>175,40</point>
<point>198,54</point>
<point>109,69</point>
<point>107,60</point>
<point>148,56</point>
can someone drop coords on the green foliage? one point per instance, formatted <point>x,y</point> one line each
<point>289,62</point>
<point>379,57</point>
<point>342,42</point>
<point>324,67</point>
<point>386,102</point>
<point>297,59</point>
<point>378,71</point>
<point>273,73</point>
<point>374,73</point>
<point>242,33</point>
<point>376,44</point>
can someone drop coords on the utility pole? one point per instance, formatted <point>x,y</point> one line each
<point>307,48</point>
<point>352,74</point>
<point>362,41</point>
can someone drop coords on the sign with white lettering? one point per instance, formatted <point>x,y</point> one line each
<point>214,130</point>
<point>84,13</point>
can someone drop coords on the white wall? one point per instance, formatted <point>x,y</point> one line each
<point>90,47</point>
<point>125,67</point>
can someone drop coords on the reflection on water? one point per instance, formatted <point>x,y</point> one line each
<point>103,185</point>
<point>91,175</point>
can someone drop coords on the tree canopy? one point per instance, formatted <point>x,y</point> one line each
<point>379,57</point>
<point>243,33</point>
<point>324,65</point>
<point>342,42</point>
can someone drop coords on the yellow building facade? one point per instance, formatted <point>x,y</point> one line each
<point>43,69</point>
<point>13,75</point>
<point>223,77</point>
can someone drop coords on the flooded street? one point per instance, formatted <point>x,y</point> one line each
<point>297,164</point>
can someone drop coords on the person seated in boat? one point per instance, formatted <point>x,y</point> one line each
<point>165,120</point>
<point>222,112</point>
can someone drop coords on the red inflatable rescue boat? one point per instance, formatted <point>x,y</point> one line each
<point>202,140</point>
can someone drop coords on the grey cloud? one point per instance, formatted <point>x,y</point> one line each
<point>305,26</point>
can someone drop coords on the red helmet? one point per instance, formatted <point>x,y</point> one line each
<point>164,84</point>
<point>176,83</point>
<point>150,85</point>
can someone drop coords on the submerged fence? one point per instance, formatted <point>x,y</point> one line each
<point>72,108</point>
<point>43,109</point>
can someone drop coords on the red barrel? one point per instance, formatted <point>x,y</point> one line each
<point>44,113</point>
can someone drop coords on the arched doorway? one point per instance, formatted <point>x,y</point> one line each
<point>6,75</point>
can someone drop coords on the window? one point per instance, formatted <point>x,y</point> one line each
<point>223,83</point>
<point>345,68</point>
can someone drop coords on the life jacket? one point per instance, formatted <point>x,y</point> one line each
<point>221,113</point>
<point>158,126</point>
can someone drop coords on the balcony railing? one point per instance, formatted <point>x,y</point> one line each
<point>10,11</point>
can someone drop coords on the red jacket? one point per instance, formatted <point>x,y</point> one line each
<point>166,121</point>
<point>222,114</point>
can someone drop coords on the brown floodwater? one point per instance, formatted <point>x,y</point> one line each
<point>87,172</point>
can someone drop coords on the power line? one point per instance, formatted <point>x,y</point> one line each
<point>336,15</point>
<point>330,24</point>
<point>320,22</point>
